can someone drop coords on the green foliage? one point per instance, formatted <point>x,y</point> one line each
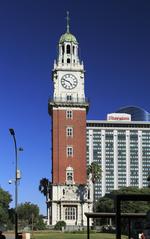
<point>59,225</point>
<point>11,221</point>
<point>27,211</point>
<point>45,187</point>
<point>5,199</point>
<point>81,192</point>
<point>28,215</point>
<point>131,190</point>
<point>95,170</point>
<point>106,203</point>
<point>40,225</point>
<point>148,178</point>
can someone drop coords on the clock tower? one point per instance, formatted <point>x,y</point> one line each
<point>68,109</point>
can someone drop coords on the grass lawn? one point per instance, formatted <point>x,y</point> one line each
<point>61,235</point>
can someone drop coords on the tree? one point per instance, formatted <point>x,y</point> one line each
<point>5,199</point>
<point>106,203</point>
<point>94,170</point>
<point>45,187</point>
<point>28,215</point>
<point>40,225</point>
<point>82,194</point>
<point>148,180</point>
<point>26,210</point>
<point>11,221</point>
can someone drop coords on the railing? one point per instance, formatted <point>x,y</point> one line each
<point>75,100</point>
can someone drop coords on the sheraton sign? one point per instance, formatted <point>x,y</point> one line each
<point>118,117</point>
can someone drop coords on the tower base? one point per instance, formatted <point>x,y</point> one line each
<point>69,203</point>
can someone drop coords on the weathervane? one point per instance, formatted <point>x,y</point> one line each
<point>68,19</point>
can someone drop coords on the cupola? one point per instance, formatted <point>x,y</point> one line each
<point>68,48</point>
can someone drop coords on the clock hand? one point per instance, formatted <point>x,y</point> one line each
<point>69,82</point>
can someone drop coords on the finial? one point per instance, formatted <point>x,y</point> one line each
<point>68,19</point>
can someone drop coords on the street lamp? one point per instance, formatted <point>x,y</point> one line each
<point>17,177</point>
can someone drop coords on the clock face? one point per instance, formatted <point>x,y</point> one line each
<point>69,81</point>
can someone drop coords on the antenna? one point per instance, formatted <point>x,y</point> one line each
<point>68,20</point>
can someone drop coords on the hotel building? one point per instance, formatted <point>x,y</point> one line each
<point>122,148</point>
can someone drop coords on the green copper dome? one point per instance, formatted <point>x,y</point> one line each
<point>68,37</point>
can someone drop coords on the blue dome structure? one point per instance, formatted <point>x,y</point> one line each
<point>137,113</point>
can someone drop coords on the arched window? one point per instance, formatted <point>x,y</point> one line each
<point>73,49</point>
<point>68,49</point>
<point>68,60</point>
<point>69,131</point>
<point>63,49</point>
<point>69,97</point>
<point>69,175</point>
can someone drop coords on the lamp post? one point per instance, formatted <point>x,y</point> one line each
<point>17,177</point>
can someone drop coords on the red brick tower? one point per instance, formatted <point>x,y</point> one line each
<point>68,111</point>
<point>69,143</point>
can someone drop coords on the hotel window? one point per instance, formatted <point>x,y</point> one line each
<point>70,213</point>
<point>69,114</point>
<point>69,131</point>
<point>69,151</point>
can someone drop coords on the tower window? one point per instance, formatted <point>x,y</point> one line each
<point>69,131</point>
<point>69,114</point>
<point>69,151</point>
<point>63,49</point>
<point>73,49</point>
<point>68,49</point>
<point>69,175</point>
<point>68,60</point>
<point>69,97</point>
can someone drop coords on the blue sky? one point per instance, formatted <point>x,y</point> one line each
<point>114,41</point>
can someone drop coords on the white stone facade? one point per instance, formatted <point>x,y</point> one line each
<point>69,204</point>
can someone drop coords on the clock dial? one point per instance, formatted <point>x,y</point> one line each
<point>69,81</point>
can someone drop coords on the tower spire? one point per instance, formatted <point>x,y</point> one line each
<point>68,20</point>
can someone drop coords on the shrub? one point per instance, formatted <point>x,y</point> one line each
<point>59,225</point>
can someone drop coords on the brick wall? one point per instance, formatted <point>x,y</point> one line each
<point>60,161</point>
